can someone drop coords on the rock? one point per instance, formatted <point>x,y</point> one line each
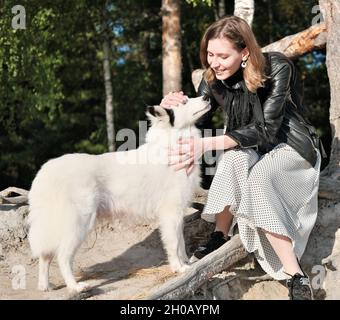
<point>321,261</point>
<point>13,226</point>
<point>322,256</point>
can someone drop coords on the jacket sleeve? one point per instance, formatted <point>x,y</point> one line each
<point>205,122</point>
<point>273,108</point>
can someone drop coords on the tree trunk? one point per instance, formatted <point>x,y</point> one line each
<point>108,96</point>
<point>219,9</point>
<point>245,10</point>
<point>270,20</point>
<point>331,13</point>
<point>172,63</point>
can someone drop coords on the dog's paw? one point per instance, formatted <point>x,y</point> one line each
<point>180,268</point>
<point>193,259</point>
<point>46,287</point>
<point>79,287</point>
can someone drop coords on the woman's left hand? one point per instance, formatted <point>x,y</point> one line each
<point>186,154</point>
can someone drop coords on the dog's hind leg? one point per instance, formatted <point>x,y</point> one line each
<point>181,247</point>
<point>65,259</point>
<point>171,227</point>
<point>44,267</point>
<point>66,253</point>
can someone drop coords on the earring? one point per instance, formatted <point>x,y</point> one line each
<point>244,64</point>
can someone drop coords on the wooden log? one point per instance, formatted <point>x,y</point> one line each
<point>185,284</point>
<point>21,199</point>
<point>296,45</point>
<point>329,188</point>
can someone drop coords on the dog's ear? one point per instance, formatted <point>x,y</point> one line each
<point>160,114</point>
<point>171,115</point>
<point>152,110</point>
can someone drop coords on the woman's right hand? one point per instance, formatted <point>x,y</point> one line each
<point>173,99</point>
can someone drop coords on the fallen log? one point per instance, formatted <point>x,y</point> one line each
<point>329,188</point>
<point>21,199</point>
<point>298,44</point>
<point>186,284</point>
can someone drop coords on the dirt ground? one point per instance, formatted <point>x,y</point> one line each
<point>125,263</point>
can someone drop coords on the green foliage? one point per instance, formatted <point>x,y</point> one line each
<point>195,3</point>
<point>47,91</point>
<point>52,98</point>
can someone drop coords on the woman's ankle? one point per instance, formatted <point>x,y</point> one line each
<point>223,230</point>
<point>292,272</point>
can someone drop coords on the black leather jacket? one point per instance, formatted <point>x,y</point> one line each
<point>281,119</point>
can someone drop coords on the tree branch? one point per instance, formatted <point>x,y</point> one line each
<point>296,45</point>
<point>185,285</point>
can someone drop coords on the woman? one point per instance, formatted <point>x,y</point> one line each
<point>267,179</point>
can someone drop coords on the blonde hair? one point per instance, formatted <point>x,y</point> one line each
<point>240,34</point>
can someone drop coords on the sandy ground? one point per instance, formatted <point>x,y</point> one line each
<point>125,262</point>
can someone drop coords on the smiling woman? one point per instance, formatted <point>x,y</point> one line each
<point>227,46</point>
<point>266,147</point>
<point>223,58</point>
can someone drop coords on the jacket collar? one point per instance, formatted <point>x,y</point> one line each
<point>235,82</point>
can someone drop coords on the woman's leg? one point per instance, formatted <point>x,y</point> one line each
<point>226,189</point>
<point>283,247</point>
<point>218,237</point>
<point>223,221</point>
<point>298,284</point>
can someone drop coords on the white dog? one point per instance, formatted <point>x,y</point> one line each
<point>70,192</point>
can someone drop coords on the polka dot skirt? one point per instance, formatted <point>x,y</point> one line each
<point>277,192</point>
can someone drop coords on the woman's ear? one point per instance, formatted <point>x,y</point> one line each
<point>245,54</point>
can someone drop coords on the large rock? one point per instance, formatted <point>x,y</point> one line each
<point>322,256</point>
<point>13,226</point>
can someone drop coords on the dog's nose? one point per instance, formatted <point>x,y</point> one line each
<point>206,97</point>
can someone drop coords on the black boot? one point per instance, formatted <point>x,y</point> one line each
<point>216,240</point>
<point>299,287</point>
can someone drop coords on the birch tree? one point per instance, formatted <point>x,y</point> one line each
<point>245,10</point>
<point>108,95</point>
<point>107,81</point>
<point>219,9</point>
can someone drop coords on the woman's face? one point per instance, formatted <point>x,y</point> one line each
<point>223,58</point>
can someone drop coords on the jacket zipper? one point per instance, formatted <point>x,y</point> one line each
<point>309,138</point>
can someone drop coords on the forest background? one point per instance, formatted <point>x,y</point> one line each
<point>53,86</point>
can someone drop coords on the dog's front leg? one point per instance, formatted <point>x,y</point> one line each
<point>171,228</point>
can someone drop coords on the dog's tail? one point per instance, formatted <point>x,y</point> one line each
<point>50,219</point>
<point>59,216</point>
<point>55,227</point>
<point>45,231</point>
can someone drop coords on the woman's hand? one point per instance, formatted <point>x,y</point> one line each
<point>186,154</point>
<point>173,99</point>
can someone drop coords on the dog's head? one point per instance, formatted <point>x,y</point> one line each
<point>180,117</point>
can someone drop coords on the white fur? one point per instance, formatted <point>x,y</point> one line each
<point>70,192</point>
